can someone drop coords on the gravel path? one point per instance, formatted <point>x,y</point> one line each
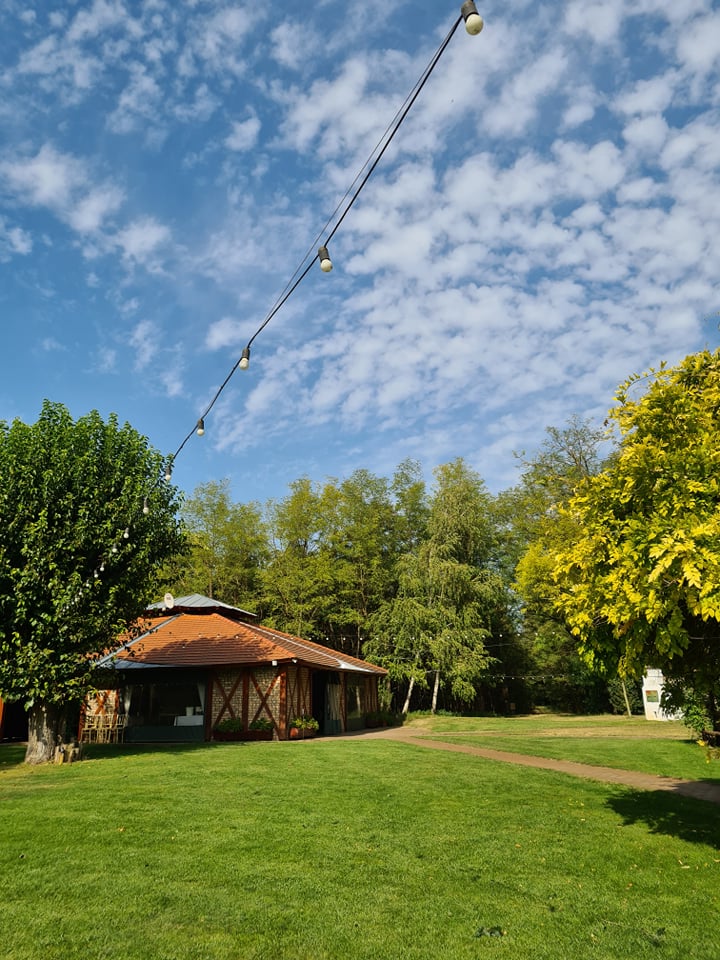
<point>699,789</point>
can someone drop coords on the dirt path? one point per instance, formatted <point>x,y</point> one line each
<point>698,789</point>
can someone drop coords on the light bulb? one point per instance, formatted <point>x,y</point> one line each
<point>325,261</point>
<point>126,534</point>
<point>245,359</point>
<point>114,548</point>
<point>200,427</point>
<point>473,21</point>
<point>168,471</point>
<point>146,508</point>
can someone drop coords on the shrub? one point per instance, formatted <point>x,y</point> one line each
<point>261,723</point>
<point>230,725</point>
<point>305,722</point>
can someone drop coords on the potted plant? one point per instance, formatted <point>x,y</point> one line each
<point>303,727</point>
<point>231,728</point>
<point>261,728</point>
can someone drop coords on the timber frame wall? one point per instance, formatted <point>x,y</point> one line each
<point>247,695</point>
<point>278,693</point>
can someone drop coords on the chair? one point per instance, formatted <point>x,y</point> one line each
<point>90,729</point>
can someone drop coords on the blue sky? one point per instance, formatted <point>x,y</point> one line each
<point>544,224</point>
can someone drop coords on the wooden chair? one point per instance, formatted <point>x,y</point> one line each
<point>91,729</point>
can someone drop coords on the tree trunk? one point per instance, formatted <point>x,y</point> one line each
<point>46,725</point>
<point>712,709</point>
<point>436,687</point>
<point>406,706</point>
<point>627,701</point>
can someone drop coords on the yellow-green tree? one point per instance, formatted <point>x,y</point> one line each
<point>640,583</point>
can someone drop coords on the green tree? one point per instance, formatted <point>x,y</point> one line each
<point>448,595</point>
<point>78,555</point>
<point>639,583</point>
<point>536,528</point>
<point>228,547</point>
<point>362,547</point>
<point>334,551</point>
<point>299,582</point>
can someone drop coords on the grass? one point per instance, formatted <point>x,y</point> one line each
<point>359,849</point>
<point>626,743</point>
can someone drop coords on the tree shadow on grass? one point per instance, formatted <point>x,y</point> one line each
<point>11,755</point>
<point>694,821</point>
<point>101,751</point>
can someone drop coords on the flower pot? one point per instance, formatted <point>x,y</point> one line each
<point>225,736</point>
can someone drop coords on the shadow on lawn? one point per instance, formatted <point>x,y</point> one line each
<point>685,818</point>
<point>101,751</point>
<point>13,755</point>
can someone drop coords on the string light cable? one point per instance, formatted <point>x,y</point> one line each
<point>473,25</point>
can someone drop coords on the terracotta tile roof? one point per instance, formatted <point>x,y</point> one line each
<point>211,639</point>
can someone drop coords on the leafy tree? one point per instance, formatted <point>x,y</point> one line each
<point>78,555</point>
<point>362,543</point>
<point>335,548</point>
<point>639,582</point>
<point>299,580</point>
<point>228,546</point>
<point>448,593</point>
<point>536,528</point>
<point>411,507</point>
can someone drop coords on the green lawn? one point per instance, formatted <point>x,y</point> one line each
<point>627,743</point>
<point>350,849</point>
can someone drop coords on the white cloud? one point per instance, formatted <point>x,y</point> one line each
<point>145,341</point>
<point>102,16</point>
<point>13,240</point>
<point>63,66</point>
<point>138,102</point>
<point>647,134</point>
<point>92,209</point>
<point>601,21</point>
<point>63,184</point>
<point>48,179</point>
<point>220,36</point>
<point>581,109</point>
<point>51,345</point>
<point>518,104</point>
<point>699,44</point>
<point>244,134</point>
<point>106,360</point>
<point>202,108</point>
<point>141,239</point>
<point>226,332</point>
<point>290,49</point>
<point>648,96</point>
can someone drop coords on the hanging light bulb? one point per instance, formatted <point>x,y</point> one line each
<point>126,534</point>
<point>245,358</point>
<point>146,508</point>
<point>200,427</point>
<point>473,21</point>
<point>102,567</point>
<point>168,471</point>
<point>114,548</point>
<point>325,261</point>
